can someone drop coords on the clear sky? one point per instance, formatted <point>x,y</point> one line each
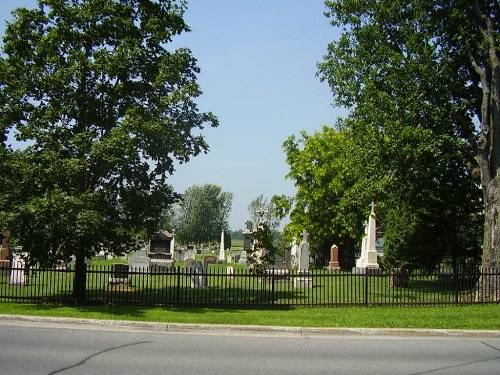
<point>258,75</point>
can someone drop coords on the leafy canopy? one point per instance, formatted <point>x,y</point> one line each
<point>106,107</point>
<point>202,214</point>
<point>412,95</point>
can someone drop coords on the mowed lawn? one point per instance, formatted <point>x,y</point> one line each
<point>470,317</point>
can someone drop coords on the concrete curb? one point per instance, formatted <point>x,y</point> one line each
<point>241,329</point>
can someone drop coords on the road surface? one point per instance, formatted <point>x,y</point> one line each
<point>38,348</point>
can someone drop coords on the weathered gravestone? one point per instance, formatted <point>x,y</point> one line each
<point>4,252</point>
<point>294,254</point>
<point>139,261</point>
<point>303,280</point>
<point>303,253</point>
<point>119,274</point>
<point>222,253</point>
<point>198,273</point>
<point>19,270</point>
<point>210,259</point>
<point>189,263</point>
<point>368,258</point>
<point>247,240</point>
<point>243,257</point>
<point>334,258</point>
<point>190,254</point>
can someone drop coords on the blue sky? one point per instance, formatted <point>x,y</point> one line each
<point>258,75</point>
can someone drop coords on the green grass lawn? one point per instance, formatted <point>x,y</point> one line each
<point>482,317</point>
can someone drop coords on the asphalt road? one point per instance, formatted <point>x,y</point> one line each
<point>55,348</point>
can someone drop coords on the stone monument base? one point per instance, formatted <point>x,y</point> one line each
<point>334,266</point>
<point>367,270</point>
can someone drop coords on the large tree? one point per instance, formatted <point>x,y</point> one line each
<point>202,214</point>
<point>432,65</point>
<point>106,108</point>
<point>325,203</point>
<point>426,210</point>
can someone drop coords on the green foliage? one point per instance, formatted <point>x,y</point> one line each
<point>236,235</point>
<point>202,214</point>
<point>400,146</point>
<point>269,213</point>
<point>324,172</point>
<point>107,108</point>
<point>422,80</point>
<point>264,250</point>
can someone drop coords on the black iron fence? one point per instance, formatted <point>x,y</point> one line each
<point>225,286</point>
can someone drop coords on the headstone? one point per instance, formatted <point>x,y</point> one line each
<point>190,254</point>
<point>247,241</point>
<point>303,280</point>
<point>368,257</point>
<point>139,261</point>
<point>294,252</point>
<point>303,253</point>
<point>230,272</point>
<point>222,254</point>
<point>18,270</point>
<point>4,251</point>
<point>199,278</point>
<point>210,259</point>
<point>101,255</point>
<point>189,263</point>
<point>119,274</point>
<point>282,261</point>
<point>243,257</point>
<point>61,265</point>
<point>334,258</point>
<point>172,244</point>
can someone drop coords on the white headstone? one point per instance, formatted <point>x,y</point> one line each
<point>368,257</point>
<point>190,254</point>
<point>294,253</point>
<point>303,280</point>
<point>222,255</point>
<point>172,245</point>
<point>17,274</point>
<point>303,253</point>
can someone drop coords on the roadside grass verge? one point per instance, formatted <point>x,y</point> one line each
<point>480,317</point>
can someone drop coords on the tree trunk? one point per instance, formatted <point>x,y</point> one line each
<point>488,147</point>
<point>490,282</point>
<point>491,245</point>
<point>80,280</point>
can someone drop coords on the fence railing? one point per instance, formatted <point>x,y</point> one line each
<point>219,287</point>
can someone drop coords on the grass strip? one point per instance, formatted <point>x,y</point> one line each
<point>472,317</point>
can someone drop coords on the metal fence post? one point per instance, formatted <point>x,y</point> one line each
<point>366,286</point>
<point>272,287</point>
<point>178,286</point>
